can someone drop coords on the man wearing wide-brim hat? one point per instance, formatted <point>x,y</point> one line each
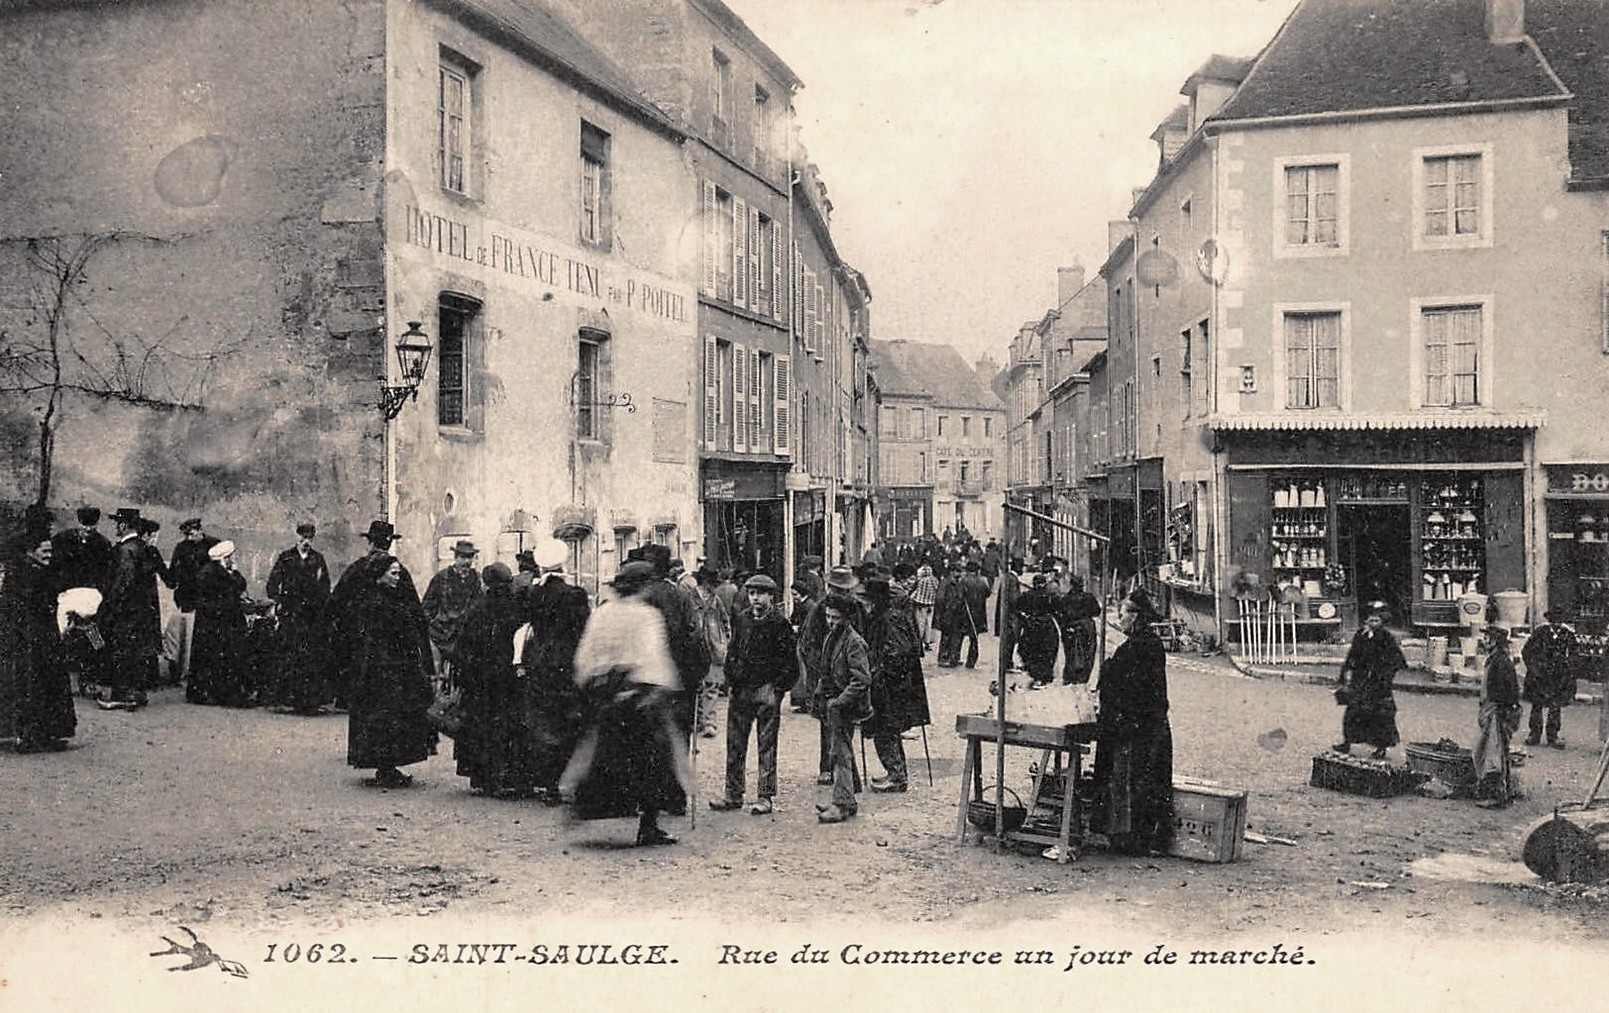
<point>448,598</point>
<point>299,585</point>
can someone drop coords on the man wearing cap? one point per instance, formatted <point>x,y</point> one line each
<point>188,559</point>
<point>760,668</point>
<point>132,616</point>
<point>813,631</point>
<point>684,632</point>
<point>356,581</point>
<point>1550,660</point>
<point>216,671</point>
<point>299,585</point>
<point>447,600</point>
<point>82,555</point>
<point>842,700</point>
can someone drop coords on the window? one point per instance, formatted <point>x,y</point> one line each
<point>721,99</point>
<point>1185,394</point>
<point>589,385</point>
<point>1311,206</point>
<point>763,141</point>
<point>918,423</point>
<point>988,427</point>
<point>886,422</point>
<point>456,318</point>
<point>1452,344</point>
<point>921,468</point>
<point>1452,197</point>
<point>988,475</point>
<point>595,185</point>
<point>964,469</point>
<point>966,427</point>
<point>1312,360</point>
<point>942,419</point>
<point>454,121</point>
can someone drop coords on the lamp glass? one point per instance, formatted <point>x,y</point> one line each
<point>413,354</point>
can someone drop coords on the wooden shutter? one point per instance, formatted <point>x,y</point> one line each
<point>757,285</point>
<point>712,392</point>
<point>756,387</point>
<point>812,297</point>
<point>712,239</point>
<point>782,407</point>
<point>777,312</point>
<point>740,254</point>
<point>821,319</point>
<point>1505,530</point>
<point>740,399</point>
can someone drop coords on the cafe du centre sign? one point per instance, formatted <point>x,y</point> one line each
<point>502,252</point>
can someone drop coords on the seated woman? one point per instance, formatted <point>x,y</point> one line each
<point>1134,751</point>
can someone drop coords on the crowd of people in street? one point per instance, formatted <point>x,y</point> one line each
<point>601,707</point>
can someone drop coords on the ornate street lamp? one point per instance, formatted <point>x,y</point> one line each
<point>413,360</point>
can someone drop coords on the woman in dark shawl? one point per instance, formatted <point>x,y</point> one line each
<point>493,747</point>
<point>1037,637</point>
<point>1370,667</point>
<point>390,692</point>
<point>220,632</point>
<point>1075,612</point>
<point>36,695</point>
<point>1134,754</point>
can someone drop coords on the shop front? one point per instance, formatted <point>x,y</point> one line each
<point>905,514</point>
<point>809,526</point>
<point>1330,521</point>
<point>1577,508</point>
<point>743,516</point>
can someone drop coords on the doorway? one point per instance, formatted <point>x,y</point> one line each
<point>1374,546</point>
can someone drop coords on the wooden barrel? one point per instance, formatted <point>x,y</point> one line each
<point>1570,847</point>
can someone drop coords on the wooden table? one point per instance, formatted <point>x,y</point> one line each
<point>1061,749</point>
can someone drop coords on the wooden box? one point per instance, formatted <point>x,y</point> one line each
<point>1209,821</point>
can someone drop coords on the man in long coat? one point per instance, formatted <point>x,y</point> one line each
<point>447,600</point>
<point>36,697</point>
<point>1550,660</point>
<point>842,700</point>
<point>82,556</point>
<point>684,632</point>
<point>132,617</point>
<point>188,560</point>
<point>899,694</point>
<point>388,725</point>
<point>299,585</point>
<point>557,613</point>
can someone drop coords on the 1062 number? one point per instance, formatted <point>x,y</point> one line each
<point>315,953</point>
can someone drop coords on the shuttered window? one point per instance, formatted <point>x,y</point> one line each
<point>739,232</point>
<point>712,392</point>
<point>782,407</point>
<point>740,398</point>
<point>712,240</point>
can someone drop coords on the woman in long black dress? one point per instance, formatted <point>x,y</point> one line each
<point>557,611</point>
<point>389,693</point>
<point>1370,668</point>
<point>220,632</point>
<point>493,748</point>
<point>1037,636</point>
<point>1134,752</point>
<point>36,695</point>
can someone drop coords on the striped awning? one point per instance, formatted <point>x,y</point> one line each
<point>1307,421</point>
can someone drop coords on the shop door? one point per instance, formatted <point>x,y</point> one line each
<point>1374,542</point>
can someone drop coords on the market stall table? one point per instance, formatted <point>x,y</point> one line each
<point>1061,750</point>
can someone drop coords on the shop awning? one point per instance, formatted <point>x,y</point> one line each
<point>1308,421</point>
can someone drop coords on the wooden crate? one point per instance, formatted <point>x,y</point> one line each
<point>1209,821</point>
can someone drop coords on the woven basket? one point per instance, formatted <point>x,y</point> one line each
<point>980,812</point>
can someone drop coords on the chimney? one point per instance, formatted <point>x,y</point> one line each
<point>1505,21</point>
<point>1069,280</point>
<point>1116,232</point>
